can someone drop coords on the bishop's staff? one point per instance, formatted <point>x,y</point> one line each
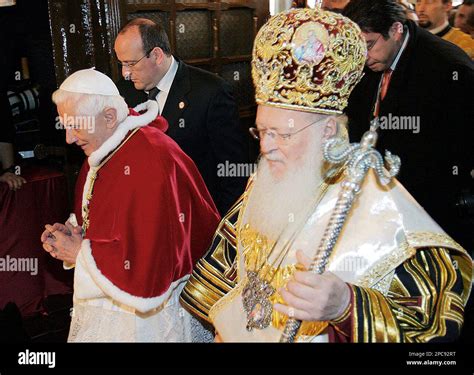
<point>360,157</point>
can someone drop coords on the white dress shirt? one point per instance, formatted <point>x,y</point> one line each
<point>165,85</point>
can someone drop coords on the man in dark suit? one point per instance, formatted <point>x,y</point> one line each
<point>425,107</point>
<point>199,106</point>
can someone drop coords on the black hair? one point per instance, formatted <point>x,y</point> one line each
<point>375,16</point>
<point>152,34</point>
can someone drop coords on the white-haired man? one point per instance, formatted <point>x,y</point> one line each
<point>146,217</point>
<point>393,276</point>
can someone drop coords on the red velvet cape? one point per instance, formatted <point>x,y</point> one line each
<point>151,215</point>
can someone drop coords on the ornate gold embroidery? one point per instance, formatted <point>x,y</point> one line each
<point>383,285</point>
<point>228,298</point>
<point>238,226</point>
<point>256,249</point>
<point>431,239</point>
<point>386,264</point>
<point>214,274</point>
<point>417,311</point>
<point>307,60</point>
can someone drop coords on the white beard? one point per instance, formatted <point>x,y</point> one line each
<point>278,204</point>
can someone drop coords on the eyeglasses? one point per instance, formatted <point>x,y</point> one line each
<point>258,134</point>
<point>130,65</point>
<point>373,43</point>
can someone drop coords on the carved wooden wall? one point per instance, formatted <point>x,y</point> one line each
<point>216,35</point>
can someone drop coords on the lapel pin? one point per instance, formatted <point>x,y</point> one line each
<point>181,105</point>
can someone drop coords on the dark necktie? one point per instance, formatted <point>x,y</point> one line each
<point>152,94</point>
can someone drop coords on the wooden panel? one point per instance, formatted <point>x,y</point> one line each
<point>216,35</point>
<point>193,1</point>
<point>239,75</point>
<point>236,32</point>
<point>142,2</point>
<point>79,36</point>
<point>193,34</point>
<point>155,16</point>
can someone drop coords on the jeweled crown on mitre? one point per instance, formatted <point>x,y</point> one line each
<point>308,60</point>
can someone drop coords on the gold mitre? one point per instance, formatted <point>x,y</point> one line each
<point>307,60</point>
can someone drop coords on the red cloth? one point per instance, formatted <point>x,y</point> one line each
<point>151,216</point>
<point>387,76</point>
<point>23,215</point>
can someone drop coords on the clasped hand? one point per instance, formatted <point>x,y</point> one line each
<point>62,241</point>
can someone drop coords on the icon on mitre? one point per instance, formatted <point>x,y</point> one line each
<point>309,43</point>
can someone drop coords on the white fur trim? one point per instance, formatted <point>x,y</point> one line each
<point>130,123</point>
<point>85,288</point>
<point>89,267</point>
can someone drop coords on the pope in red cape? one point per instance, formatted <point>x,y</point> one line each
<point>146,218</point>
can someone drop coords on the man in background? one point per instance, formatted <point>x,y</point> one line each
<point>425,104</point>
<point>199,106</point>
<point>464,19</point>
<point>433,15</point>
